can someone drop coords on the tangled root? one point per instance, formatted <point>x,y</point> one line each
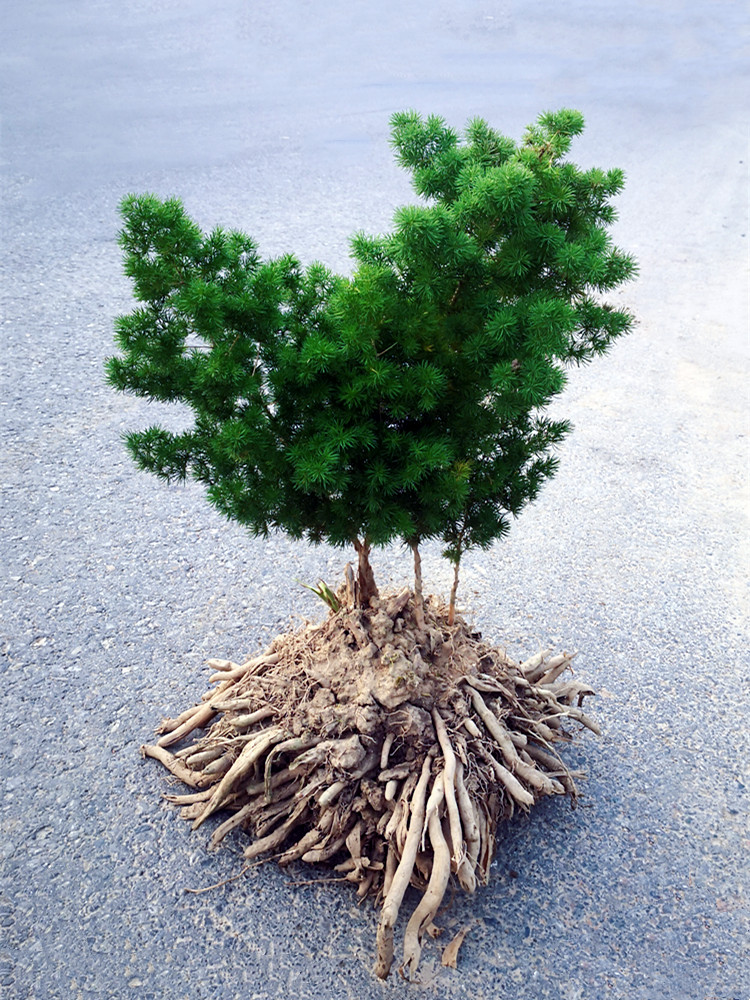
<point>384,741</point>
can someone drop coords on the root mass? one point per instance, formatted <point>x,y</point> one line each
<point>387,741</point>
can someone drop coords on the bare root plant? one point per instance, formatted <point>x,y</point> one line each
<point>406,402</point>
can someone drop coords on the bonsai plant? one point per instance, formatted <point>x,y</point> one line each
<point>404,402</point>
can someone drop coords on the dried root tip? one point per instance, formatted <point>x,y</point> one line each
<point>306,843</point>
<point>470,827</point>
<point>515,765</point>
<point>585,720</point>
<point>191,811</point>
<point>219,767</point>
<point>250,719</point>
<point>274,840</point>
<point>292,745</point>
<point>532,665</point>
<point>538,779</point>
<point>365,886</point>
<point>487,819</point>
<point>541,731</point>
<point>253,666</point>
<point>433,897</point>
<point>460,861</point>
<point>557,712</point>
<point>169,725</point>
<point>556,768</point>
<point>251,752</point>
<point>235,820</point>
<point>176,767</point>
<point>391,862</point>
<point>437,795</point>
<point>198,759</point>
<point>494,727</point>
<point>472,728</point>
<point>555,667</point>
<point>403,873</point>
<point>322,854</point>
<point>385,750</point>
<point>509,782</point>
<point>223,665</point>
<point>190,798</point>
<point>567,691</point>
<point>329,796</point>
<point>199,718</point>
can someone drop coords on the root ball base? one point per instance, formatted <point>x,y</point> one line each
<point>385,742</point>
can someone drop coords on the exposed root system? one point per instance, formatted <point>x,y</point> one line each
<point>385,742</point>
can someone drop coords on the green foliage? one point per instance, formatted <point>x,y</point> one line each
<point>324,592</point>
<point>408,400</point>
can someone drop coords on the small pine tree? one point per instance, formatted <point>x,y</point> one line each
<point>407,401</point>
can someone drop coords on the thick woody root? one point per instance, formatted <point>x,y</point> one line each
<point>385,743</point>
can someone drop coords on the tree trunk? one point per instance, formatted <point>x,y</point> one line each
<point>418,597</point>
<point>454,588</point>
<point>366,587</point>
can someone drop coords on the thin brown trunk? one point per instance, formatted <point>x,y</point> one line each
<point>454,588</point>
<point>418,596</point>
<point>366,587</point>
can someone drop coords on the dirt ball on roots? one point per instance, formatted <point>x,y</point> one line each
<point>384,742</point>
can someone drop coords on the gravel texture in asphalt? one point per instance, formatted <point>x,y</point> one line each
<point>273,117</point>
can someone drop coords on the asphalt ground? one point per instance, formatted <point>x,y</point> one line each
<point>273,118</point>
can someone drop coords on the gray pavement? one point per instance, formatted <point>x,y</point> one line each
<point>273,117</point>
